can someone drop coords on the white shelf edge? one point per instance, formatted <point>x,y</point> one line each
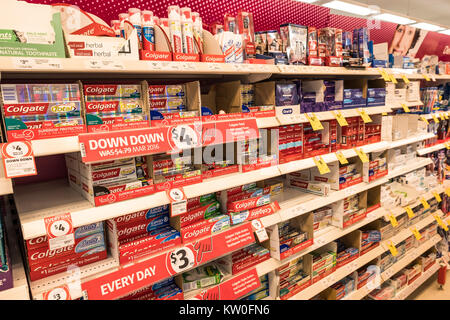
<point>433,148</point>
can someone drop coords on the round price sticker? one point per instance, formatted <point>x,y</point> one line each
<point>181,259</point>
<point>59,228</point>
<point>60,293</point>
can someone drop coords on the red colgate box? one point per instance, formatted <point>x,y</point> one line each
<point>255,213</point>
<point>186,57</point>
<point>178,180</point>
<point>247,204</point>
<point>141,216</point>
<point>204,228</point>
<point>196,214</point>
<point>200,200</point>
<point>46,269</point>
<point>105,123</point>
<point>79,233</point>
<point>142,245</point>
<point>83,246</point>
<point>212,58</point>
<point>131,230</point>
<point>155,55</point>
<point>248,263</point>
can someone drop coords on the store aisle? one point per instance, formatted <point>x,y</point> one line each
<point>429,290</point>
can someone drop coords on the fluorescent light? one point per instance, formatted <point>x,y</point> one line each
<point>393,18</point>
<point>348,7</point>
<point>426,26</point>
<point>447,32</point>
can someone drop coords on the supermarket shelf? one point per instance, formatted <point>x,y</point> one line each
<point>417,138</point>
<point>436,147</point>
<point>326,71</point>
<point>5,186</point>
<point>398,105</point>
<point>438,114</point>
<point>46,147</point>
<point>403,294</point>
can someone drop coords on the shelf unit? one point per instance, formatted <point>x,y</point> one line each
<point>433,148</point>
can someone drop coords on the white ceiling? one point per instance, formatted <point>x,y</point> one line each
<point>434,11</point>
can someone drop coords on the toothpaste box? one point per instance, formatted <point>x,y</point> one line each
<point>112,175</point>
<point>141,216</point>
<point>51,267</point>
<point>203,212</point>
<point>79,233</point>
<point>255,213</point>
<point>131,230</point>
<point>320,188</point>
<point>204,228</point>
<point>170,90</point>
<point>200,200</point>
<point>247,204</point>
<point>144,244</point>
<point>81,247</point>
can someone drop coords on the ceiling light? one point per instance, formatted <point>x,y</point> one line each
<point>393,18</point>
<point>427,26</point>
<point>447,32</point>
<point>348,7</point>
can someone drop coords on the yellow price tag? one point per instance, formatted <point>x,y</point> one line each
<point>393,220</point>
<point>393,79</point>
<point>441,223</point>
<point>392,249</point>
<point>384,74</point>
<point>447,192</point>
<point>405,108</point>
<point>384,114</point>
<point>426,77</point>
<point>416,233</point>
<point>340,156</point>
<point>340,119</point>
<point>409,212</point>
<point>364,116</point>
<point>436,120</point>
<point>447,145</point>
<point>315,123</point>
<point>405,78</point>
<point>425,204</point>
<point>321,165</point>
<point>442,116</point>
<point>424,119</point>
<point>437,196</point>
<point>361,155</point>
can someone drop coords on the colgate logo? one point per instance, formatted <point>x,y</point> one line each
<point>37,240</point>
<point>11,110</point>
<point>100,90</point>
<point>263,211</point>
<point>157,56</point>
<point>105,174</point>
<point>128,231</point>
<point>160,103</point>
<point>244,205</point>
<point>197,233</point>
<point>162,164</point>
<point>131,216</point>
<point>214,59</point>
<point>156,89</point>
<point>101,106</point>
<point>185,57</point>
<point>50,253</point>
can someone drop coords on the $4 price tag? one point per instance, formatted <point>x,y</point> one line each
<point>59,230</point>
<point>18,159</point>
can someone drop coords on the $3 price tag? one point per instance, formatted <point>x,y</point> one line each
<point>60,293</point>
<point>182,259</point>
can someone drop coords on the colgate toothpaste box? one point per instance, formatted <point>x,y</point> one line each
<point>141,216</point>
<point>83,246</point>
<point>111,175</point>
<point>169,90</point>
<point>204,228</point>
<point>255,213</point>
<point>131,230</point>
<point>195,214</point>
<point>79,233</point>
<point>200,200</point>
<point>144,244</point>
<point>247,204</point>
<point>49,268</point>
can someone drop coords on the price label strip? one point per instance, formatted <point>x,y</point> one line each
<point>340,118</point>
<point>364,158</point>
<point>340,156</point>
<point>424,119</point>
<point>425,203</point>
<point>437,196</point>
<point>321,165</point>
<point>392,249</point>
<point>178,201</point>
<point>314,121</point>
<point>409,212</point>
<point>364,115</point>
<point>18,159</point>
<point>260,231</point>
<point>440,222</point>
<point>393,220</point>
<point>405,78</point>
<point>405,108</point>
<point>59,230</point>
<point>416,233</point>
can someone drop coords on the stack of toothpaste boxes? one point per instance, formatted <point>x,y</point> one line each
<point>41,111</point>
<point>167,98</point>
<point>163,290</point>
<point>139,234</point>
<point>248,257</point>
<point>261,292</point>
<point>293,278</point>
<point>89,247</point>
<point>111,107</point>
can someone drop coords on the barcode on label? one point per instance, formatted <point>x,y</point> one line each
<point>82,150</point>
<point>9,93</point>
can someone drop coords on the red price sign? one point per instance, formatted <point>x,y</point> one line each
<point>18,159</point>
<point>59,230</point>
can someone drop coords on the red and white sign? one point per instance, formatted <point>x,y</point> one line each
<point>103,146</point>
<point>232,131</point>
<point>59,230</point>
<point>178,201</point>
<point>59,293</point>
<point>232,289</point>
<point>18,159</point>
<point>167,264</point>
